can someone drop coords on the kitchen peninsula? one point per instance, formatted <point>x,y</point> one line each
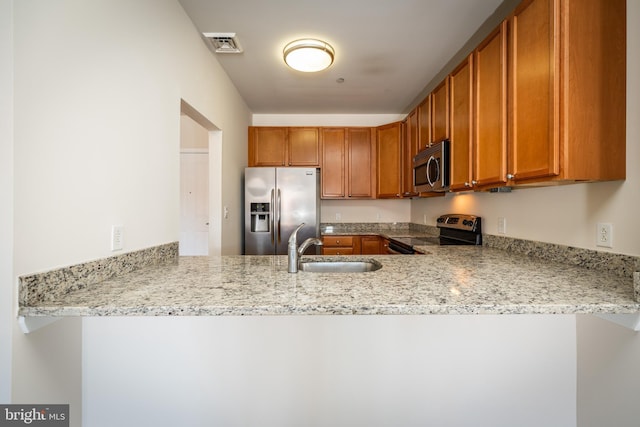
<point>446,280</point>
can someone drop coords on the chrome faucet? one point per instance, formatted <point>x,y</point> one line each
<point>295,252</point>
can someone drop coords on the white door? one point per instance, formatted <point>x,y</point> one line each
<point>194,204</point>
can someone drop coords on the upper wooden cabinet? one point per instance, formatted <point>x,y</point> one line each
<point>409,150</point>
<point>490,110</point>
<point>440,111</point>
<point>361,163</point>
<point>284,146</point>
<point>424,123</point>
<point>348,163</point>
<point>461,92</point>
<point>479,116</point>
<point>567,91</point>
<point>389,149</point>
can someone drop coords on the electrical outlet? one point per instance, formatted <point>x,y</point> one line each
<point>502,225</point>
<point>338,216</point>
<point>117,237</point>
<point>604,235</point>
<point>424,219</point>
<point>378,216</point>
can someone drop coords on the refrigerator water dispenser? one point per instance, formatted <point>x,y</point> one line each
<point>260,217</point>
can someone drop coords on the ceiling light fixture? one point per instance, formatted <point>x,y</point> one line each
<point>308,55</point>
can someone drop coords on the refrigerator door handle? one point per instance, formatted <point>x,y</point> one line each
<point>279,203</point>
<point>271,212</point>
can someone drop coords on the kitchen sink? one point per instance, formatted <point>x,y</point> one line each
<point>340,266</point>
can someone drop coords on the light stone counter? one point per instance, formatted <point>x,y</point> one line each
<point>447,280</point>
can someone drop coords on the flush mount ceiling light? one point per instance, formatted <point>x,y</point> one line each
<point>308,55</point>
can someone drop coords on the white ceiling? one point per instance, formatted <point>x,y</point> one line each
<point>387,51</point>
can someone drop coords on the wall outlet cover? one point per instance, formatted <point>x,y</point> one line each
<point>604,235</point>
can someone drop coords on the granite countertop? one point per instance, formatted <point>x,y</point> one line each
<point>446,280</point>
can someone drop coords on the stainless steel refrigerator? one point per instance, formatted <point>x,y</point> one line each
<point>276,201</point>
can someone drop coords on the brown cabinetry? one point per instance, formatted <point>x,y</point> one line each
<point>352,245</point>
<point>409,150</point>
<point>490,112</point>
<point>461,92</point>
<point>340,245</point>
<point>284,146</point>
<point>440,111</point>
<point>479,116</point>
<point>371,245</point>
<point>567,89</point>
<point>389,161</point>
<point>424,123</point>
<point>348,163</point>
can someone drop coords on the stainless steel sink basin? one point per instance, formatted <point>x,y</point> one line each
<point>340,266</point>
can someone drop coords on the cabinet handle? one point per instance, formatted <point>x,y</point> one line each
<point>510,176</point>
<point>474,182</point>
<point>466,184</point>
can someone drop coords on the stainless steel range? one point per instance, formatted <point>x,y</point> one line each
<point>455,229</point>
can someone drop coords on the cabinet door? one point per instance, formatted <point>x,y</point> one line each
<point>333,163</point>
<point>267,146</point>
<point>440,111</point>
<point>424,123</point>
<point>304,147</point>
<point>371,245</point>
<point>534,90</point>
<point>490,139</point>
<point>461,89</point>
<point>360,166</point>
<point>409,150</point>
<point>389,161</point>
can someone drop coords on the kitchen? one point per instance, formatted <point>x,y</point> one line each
<point>73,174</point>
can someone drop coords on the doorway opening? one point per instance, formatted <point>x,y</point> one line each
<point>200,149</point>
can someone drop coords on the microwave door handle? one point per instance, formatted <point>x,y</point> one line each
<point>432,183</point>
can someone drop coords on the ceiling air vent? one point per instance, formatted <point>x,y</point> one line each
<point>223,42</point>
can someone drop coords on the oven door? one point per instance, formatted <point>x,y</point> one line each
<point>431,168</point>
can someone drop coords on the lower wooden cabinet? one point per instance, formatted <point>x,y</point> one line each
<point>353,245</point>
<point>340,245</point>
<point>371,245</point>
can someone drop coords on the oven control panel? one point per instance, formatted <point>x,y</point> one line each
<point>460,222</point>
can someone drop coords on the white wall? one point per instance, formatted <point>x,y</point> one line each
<point>608,354</point>
<point>97,95</point>
<point>365,211</point>
<point>6,197</point>
<point>608,374</point>
<point>330,371</point>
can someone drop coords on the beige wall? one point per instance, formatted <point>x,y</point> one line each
<point>96,139</point>
<point>6,196</point>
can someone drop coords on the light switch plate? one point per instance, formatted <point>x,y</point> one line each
<point>502,225</point>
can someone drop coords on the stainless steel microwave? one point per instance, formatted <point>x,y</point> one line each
<point>431,168</point>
